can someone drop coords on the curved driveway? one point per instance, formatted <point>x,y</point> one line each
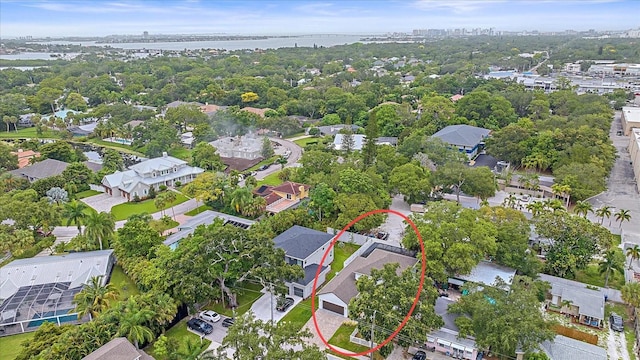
<point>295,154</point>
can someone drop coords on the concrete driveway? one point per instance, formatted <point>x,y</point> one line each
<point>262,307</point>
<point>328,323</point>
<point>103,202</point>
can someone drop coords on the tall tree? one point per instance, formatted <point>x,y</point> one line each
<point>133,322</point>
<point>633,253</point>
<point>205,155</point>
<point>95,298</point>
<point>602,212</point>
<point>388,296</point>
<point>583,207</point>
<point>613,261</point>
<point>451,175</point>
<point>267,148</point>
<point>99,228</point>
<point>631,293</point>
<point>369,150</point>
<point>253,338</point>
<point>75,212</point>
<point>622,215</point>
<point>504,321</point>
<point>322,199</point>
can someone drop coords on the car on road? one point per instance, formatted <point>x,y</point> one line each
<point>615,322</point>
<point>284,304</point>
<point>420,355</point>
<point>200,326</point>
<point>228,322</point>
<point>264,167</point>
<point>210,316</point>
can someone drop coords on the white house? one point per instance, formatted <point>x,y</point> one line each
<point>336,295</point>
<point>137,181</point>
<point>305,247</point>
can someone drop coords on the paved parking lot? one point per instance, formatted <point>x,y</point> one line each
<point>218,334</point>
<point>103,202</point>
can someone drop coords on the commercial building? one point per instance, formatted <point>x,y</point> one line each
<point>634,153</point>
<point>630,119</point>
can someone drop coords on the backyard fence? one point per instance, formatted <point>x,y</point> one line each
<point>576,334</point>
<point>360,341</point>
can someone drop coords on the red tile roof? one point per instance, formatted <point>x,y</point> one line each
<point>290,188</point>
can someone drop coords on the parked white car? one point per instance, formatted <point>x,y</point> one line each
<point>210,316</point>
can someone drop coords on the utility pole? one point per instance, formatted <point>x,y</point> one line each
<point>373,323</point>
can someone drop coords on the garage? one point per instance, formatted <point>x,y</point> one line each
<point>333,307</point>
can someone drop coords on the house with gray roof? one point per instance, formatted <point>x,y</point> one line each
<point>468,139</point>
<point>206,217</point>
<point>336,295</point>
<point>446,339</point>
<point>42,288</point>
<point>139,178</point>
<point>118,349</point>
<point>41,170</point>
<point>583,302</point>
<point>305,247</point>
<point>565,348</point>
<point>334,129</point>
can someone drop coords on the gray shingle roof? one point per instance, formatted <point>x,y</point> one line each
<point>344,284</point>
<point>204,218</point>
<point>564,348</point>
<point>310,274</point>
<point>42,169</point>
<point>462,135</point>
<point>299,242</point>
<point>117,349</point>
<point>590,302</point>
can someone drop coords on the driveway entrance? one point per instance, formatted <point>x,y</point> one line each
<point>103,202</point>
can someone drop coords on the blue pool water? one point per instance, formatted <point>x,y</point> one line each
<point>65,318</point>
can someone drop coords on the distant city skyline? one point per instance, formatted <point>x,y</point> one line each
<point>58,18</point>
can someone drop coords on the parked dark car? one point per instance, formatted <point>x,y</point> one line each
<point>228,322</point>
<point>264,167</point>
<point>382,235</point>
<point>615,321</point>
<point>284,304</point>
<point>200,326</point>
<point>420,355</point>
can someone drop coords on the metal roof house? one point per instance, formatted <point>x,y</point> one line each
<point>305,247</point>
<point>118,349</point>
<point>468,139</point>
<point>206,217</point>
<point>485,273</point>
<point>564,348</point>
<point>137,181</point>
<point>42,288</point>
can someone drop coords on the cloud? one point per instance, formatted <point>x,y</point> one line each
<point>458,6</point>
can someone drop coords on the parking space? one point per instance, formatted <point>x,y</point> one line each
<point>218,333</point>
<point>262,307</point>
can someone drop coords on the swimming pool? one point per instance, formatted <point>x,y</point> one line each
<point>64,316</point>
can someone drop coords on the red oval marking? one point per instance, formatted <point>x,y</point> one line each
<point>415,300</point>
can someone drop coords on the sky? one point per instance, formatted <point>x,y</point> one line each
<point>56,18</point>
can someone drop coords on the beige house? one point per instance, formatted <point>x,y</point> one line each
<point>630,119</point>
<point>634,153</point>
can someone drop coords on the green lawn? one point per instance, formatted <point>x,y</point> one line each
<point>116,146</point>
<point>181,153</point>
<point>180,333</point>
<point>86,193</point>
<point>300,313</point>
<point>306,141</point>
<point>270,160</point>
<point>198,210</point>
<point>123,283</point>
<point>123,211</point>
<point>271,179</point>
<point>341,339</point>
<point>29,133</point>
<point>591,276</point>
<point>11,346</point>
<point>248,293</point>
<point>163,225</point>
<point>341,251</point>
<point>301,133</point>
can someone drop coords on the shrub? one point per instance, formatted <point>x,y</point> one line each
<point>152,193</point>
<point>162,187</point>
<point>136,198</point>
<point>178,183</point>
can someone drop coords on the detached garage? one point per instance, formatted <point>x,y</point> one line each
<point>336,295</point>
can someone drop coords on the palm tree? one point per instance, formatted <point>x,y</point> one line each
<point>240,198</point>
<point>583,207</point>
<point>565,304</point>
<point>633,253</point>
<point>562,190</point>
<point>603,212</point>
<point>171,197</point>
<point>630,293</point>
<point>133,323</point>
<point>256,207</point>
<point>611,262</point>
<point>99,227</point>
<point>160,202</point>
<point>193,350</point>
<point>74,211</point>
<point>623,215</point>
<point>95,297</point>
<point>536,207</point>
